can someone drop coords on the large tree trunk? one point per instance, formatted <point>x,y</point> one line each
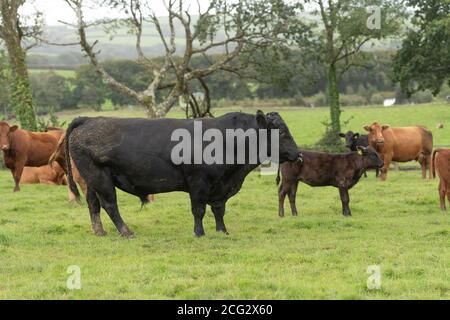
<point>21,95</point>
<point>333,97</point>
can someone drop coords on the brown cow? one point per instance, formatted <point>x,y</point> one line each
<point>25,148</point>
<point>319,169</point>
<point>53,175</point>
<point>401,144</point>
<point>441,162</point>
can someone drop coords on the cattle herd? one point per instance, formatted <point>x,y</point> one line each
<point>101,154</point>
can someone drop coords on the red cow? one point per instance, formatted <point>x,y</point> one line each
<point>441,163</point>
<point>25,148</point>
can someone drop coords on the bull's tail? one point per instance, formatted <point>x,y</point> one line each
<point>278,179</point>
<point>72,185</point>
<point>433,167</point>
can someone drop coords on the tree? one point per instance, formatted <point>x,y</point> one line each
<point>343,28</point>
<point>4,84</point>
<point>17,36</point>
<point>232,27</point>
<point>51,92</point>
<point>423,62</point>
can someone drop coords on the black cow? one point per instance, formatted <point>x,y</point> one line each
<point>134,155</point>
<point>319,169</point>
<point>353,140</point>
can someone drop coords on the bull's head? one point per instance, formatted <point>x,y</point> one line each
<point>288,150</point>
<point>350,139</point>
<point>375,135</point>
<point>5,132</point>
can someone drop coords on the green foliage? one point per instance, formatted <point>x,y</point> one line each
<point>51,120</point>
<point>5,77</point>
<point>423,62</point>
<point>343,29</point>
<point>50,91</point>
<point>22,102</point>
<point>347,100</point>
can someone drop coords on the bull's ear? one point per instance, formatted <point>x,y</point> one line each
<point>13,128</point>
<point>261,119</point>
<point>341,135</point>
<point>367,128</point>
<point>386,126</point>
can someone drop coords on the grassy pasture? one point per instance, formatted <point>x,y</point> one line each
<point>63,73</point>
<point>396,224</point>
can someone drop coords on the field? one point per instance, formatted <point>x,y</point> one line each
<point>62,73</point>
<point>396,225</point>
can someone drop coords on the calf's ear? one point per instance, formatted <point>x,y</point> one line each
<point>361,150</point>
<point>356,135</point>
<point>341,135</point>
<point>261,119</point>
<point>13,128</point>
<point>367,128</point>
<point>386,126</point>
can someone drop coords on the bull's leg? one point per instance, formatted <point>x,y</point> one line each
<point>345,199</point>
<point>219,212</point>
<point>94,212</point>
<point>104,187</point>
<point>292,193</point>
<point>281,196</point>
<point>198,210</point>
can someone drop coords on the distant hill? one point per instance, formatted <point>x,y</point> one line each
<point>121,45</point>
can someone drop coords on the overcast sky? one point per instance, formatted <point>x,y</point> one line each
<point>55,10</point>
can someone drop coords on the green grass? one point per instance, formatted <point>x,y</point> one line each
<point>306,124</point>
<point>396,224</point>
<point>63,73</point>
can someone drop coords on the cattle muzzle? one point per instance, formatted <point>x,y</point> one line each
<point>295,157</point>
<point>299,158</point>
<point>5,147</point>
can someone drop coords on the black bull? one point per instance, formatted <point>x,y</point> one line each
<point>134,155</point>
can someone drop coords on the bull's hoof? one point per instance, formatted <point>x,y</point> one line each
<point>224,231</point>
<point>347,214</point>
<point>281,215</point>
<point>16,189</point>
<point>100,233</point>
<point>294,214</point>
<point>199,234</point>
<point>127,233</point>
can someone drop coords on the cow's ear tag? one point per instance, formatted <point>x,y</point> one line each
<point>360,152</point>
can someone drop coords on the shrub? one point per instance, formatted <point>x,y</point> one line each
<point>319,99</point>
<point>352,100</point>
<point>422,97</point>
<point>379,97</point>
